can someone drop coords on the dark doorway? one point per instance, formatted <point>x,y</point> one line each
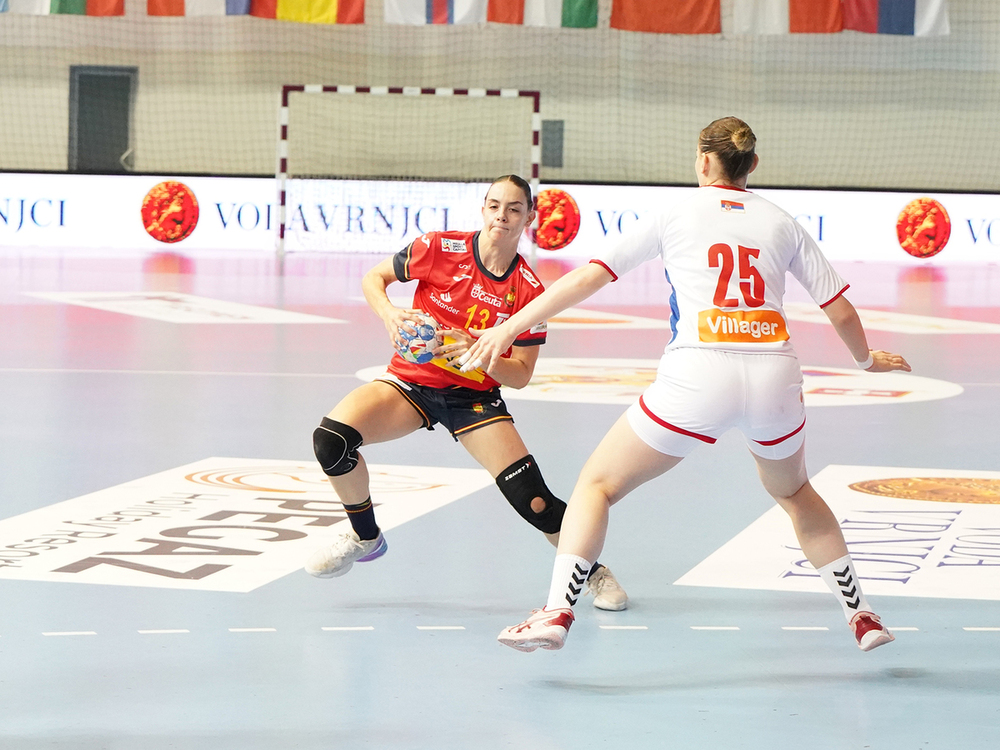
<point>101,100</point>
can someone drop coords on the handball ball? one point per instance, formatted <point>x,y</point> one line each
<point>416,346</point>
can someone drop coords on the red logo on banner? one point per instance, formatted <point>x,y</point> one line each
<point>558,219</point>
<point>170,211</point>
<point>923,228</point>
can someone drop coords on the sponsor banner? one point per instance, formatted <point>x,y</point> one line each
<point>220,524</point>
<point>142,213</point>
<point>911,532</point>
<point>880,320</point>
<point>622,381</point>
<point>137,213</point>
<point>578,220</point>
<point>173,307</point>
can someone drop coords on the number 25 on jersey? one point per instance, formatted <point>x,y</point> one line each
<point>751,283</point>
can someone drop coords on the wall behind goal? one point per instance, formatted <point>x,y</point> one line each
<point>848,110</point>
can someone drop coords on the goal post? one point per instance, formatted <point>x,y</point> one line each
<point>335,142</point>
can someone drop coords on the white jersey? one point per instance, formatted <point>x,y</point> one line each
<point>726,252</point>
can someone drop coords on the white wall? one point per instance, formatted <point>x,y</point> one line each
<point>829,110</point>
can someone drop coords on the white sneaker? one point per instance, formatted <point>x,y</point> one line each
<point>869,631</point>
<point>608,593</point>
<point>547,628</point>
<point>339,557</point>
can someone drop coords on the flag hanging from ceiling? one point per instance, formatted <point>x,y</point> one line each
<point>197,7</point>
<point>761,17</point>
<point>310,11</point>
<point>420,12</point>
<point>675,17</point>
<point>567,14</point>
<point>64,7</point>
<point>906,17</point>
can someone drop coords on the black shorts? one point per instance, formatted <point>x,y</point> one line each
<point>460,410</point>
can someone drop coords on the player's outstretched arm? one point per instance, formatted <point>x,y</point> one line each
<point>373,285</point>
<point>847,323</point>
<point>567,291</point>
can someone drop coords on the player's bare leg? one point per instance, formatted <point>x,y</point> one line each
<point>380,413</point>
<point>499,446</point>
<point>621,462</point>
<point>377,412</point>
<point>822,542</point>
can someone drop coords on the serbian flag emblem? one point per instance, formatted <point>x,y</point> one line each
<point>732,207</point>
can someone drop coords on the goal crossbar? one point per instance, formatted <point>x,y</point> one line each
<point>406,91</point>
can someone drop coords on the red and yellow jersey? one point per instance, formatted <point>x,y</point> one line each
<point>456,289</point>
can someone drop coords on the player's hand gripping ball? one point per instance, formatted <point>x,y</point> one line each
<point>417,344</point>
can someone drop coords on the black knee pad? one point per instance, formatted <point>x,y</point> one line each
<point>336,446</point>
<point>522,482</point>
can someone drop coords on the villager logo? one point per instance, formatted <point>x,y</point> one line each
<point>935,489</point>
<point>170,211</point>
<point>741,326</point>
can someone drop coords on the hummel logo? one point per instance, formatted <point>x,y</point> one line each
<point>844,579</point>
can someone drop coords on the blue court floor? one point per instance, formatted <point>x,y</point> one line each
<point>401,653</point>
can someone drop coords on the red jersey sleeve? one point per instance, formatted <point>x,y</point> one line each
<point>416,259</point>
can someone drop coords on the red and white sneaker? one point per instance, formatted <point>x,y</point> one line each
<point>545,627</point>
<point>869,631</point>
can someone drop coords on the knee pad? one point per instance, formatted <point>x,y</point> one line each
<point>522,482</point>
<point>336,446</point>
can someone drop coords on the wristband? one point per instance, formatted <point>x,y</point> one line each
<point>867,363</point>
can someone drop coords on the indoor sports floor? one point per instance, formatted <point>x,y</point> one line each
<point>203,634</point>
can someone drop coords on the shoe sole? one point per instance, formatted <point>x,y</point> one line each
<point>334,574</point>
<point>611,607</point>
<point>882,639</point>
<point>373,555</point>
<point>529,645</point>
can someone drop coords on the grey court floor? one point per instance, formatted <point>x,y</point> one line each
<point>401,653</point>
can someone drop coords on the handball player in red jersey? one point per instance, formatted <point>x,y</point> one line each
<point>729,363</point>
<point>465,281</point>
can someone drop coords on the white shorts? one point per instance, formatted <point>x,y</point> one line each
<point>701,393</point>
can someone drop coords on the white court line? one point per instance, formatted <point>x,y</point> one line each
<point>253,630</point>
<point>440,627</point>
<point>73,632</point>
<point>623,627</point>
<point>77,371</point>
<point>982,630</point>
<point>802,627</point>
<point>904,630</point>
<point>344,629</point>
<point>161,632</point>
<point>714,627</point>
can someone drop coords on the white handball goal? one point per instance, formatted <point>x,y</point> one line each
<point>364,169</point>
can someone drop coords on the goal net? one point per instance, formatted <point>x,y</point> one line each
<point>365,169</point>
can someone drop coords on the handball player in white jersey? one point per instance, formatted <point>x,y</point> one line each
<point>729,363</point>
<point>465,280</point>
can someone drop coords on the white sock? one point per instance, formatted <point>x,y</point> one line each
<point>843,582</point>
<point>569,578</point>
